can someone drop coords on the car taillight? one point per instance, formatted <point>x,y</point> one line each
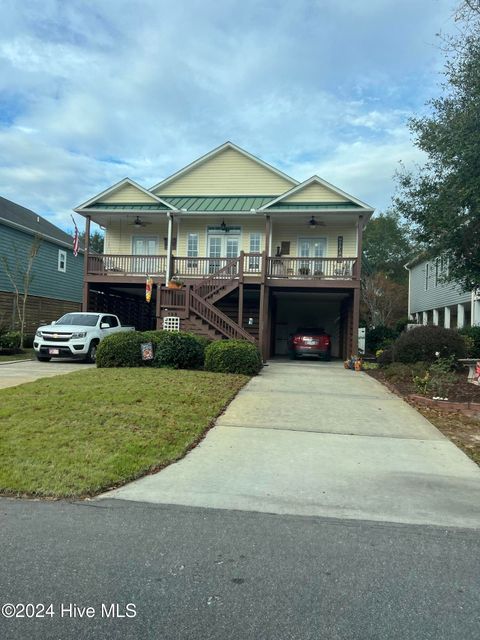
<point>297,340</point>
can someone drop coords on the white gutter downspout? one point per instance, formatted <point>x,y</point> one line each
<point>168,274</point>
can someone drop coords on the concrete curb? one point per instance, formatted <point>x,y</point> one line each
<point>17,361</point>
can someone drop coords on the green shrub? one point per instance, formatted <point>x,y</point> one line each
<point>121,350</point>
<point>400,372</point>
<point>438,379</point>
<point>233,356</point>
<point>384,357</point>
<point>423,344</point>
<point>379,338</point>
<point>28,340</point>
<point>471,336</point>
<point>179,350</point>
<point>10,341</point>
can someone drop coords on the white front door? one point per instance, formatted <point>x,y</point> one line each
<point>221,246</point>
<point>144,246</point>
<point>312,248</point>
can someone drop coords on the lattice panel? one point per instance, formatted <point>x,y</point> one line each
<point>171,323</point>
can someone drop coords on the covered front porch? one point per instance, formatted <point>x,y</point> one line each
<point>252,265</point>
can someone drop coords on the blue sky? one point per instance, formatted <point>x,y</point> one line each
<point>92,91</point>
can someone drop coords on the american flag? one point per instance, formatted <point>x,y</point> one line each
<point>75,238</point>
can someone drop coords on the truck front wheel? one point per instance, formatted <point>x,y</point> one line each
<point>92,352</point>
<point>43,358</point>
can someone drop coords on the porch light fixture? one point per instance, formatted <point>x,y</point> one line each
<point>224,227</point>
<point>312,223</point>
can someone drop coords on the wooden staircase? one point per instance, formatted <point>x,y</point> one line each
<point>195,304</point>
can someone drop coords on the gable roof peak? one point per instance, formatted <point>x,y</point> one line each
<point>318,180</point>
<point>118,185</point>
<point>216,151</point>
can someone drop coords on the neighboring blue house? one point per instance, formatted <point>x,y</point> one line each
<point>433,301</point>
<point>56,287</point>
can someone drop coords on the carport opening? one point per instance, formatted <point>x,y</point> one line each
<point>292,310</point>
<point>127,302</point>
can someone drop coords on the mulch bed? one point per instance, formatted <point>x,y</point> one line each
<point>461,426</point>
<point>461,391</point>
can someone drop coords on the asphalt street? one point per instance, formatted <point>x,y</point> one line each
<point>218,574</point>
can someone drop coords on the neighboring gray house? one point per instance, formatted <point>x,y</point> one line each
<point>432,301</point>
<point>57,283</point>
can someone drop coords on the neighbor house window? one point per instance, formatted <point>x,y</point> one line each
<point>427,275</point>
<point>437,271</point>
<point>62,260</point>
<point>254,261</point>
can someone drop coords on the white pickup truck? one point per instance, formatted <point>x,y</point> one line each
<point>75,335</point>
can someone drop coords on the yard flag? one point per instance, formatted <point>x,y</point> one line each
<point>75,239</point>
<point>148,289</point>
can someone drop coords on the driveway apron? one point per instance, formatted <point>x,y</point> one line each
<point>311,438</point>
<point>15,373</point>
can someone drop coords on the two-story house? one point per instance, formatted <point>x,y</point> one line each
<point>259,253</point>
<point>56,280</point>
<point>434,300</point>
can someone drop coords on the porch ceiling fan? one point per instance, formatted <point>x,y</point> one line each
<point>138,222</point>
<point>313,222</point>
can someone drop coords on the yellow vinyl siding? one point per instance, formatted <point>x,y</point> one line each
<point>200,227</point>
<point>119,237</point>
<point>315,193</point>
<point>292,232</point>
<point>128,194</point>
<point>228,173</point>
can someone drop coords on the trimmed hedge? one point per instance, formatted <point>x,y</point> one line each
<point>421,344</point>
<point>179,350</point>
<point>171,349</point>
<point>233,356</point>
<point>10,341</point>
<point>121,350</point>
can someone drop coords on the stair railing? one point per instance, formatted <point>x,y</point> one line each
<point>220,279</point>
<point>216,319</point>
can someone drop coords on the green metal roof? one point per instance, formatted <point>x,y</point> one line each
<point>128,206</point>
<point>217,203</point>
<point>211,204</point>
<point>322,206</point>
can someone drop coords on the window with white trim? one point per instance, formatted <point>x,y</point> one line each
<point>254,261</point>
<point>62,260</point>
<point>192,250</point>
<point>192,245</point>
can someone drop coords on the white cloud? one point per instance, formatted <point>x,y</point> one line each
<point>92,92</point>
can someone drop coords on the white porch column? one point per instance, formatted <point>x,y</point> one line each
<point>168,269</point>
<point>435,317</point>
<point>460,316</point>
<point>446,316</point>
<point>424,317</point>
<point>475,312</point>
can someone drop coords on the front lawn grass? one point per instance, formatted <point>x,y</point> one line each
<point>79,434</point>
<point>26,354</point>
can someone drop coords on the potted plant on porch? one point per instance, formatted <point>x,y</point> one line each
<point>175,283</point>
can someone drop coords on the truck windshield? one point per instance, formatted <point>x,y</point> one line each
<point>81,319</point>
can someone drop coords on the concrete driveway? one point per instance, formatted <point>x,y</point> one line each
<point>311,438</point>
<point>27,371</point>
